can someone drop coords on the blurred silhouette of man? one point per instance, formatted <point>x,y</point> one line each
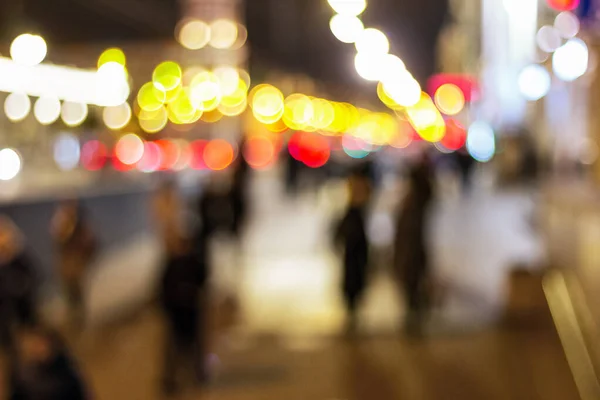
<point>43,369</point>
<point>239,195</point>
<point>17,282</point>
<point>351,233</point>
<point>410,256</point>
<point>76,246</point>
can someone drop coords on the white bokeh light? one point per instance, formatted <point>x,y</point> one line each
<point>67,151</point>
<point>46,110</point>
<point>403,89</point>
<point>567,24</point>
<point>117,117</point>
<point>28,49</point>
<point>368,66</point>
<point>372,41</point>
<point>17,106</point>
<point>348,7</point>
<point>534,82</point>
<point>73,114</point>
<point>112,86</point>
<point>548,39</point>
<point>570,61</point>
<point>481,142</point>
<point>346,28</point>
<point>10,164</point>
<point>391,67</point>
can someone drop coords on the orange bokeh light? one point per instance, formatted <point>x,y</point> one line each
<point>197,154</point>
<point>456,135</point>
<point>218,154</point>
<point>564,5</point>
<point>170,154</point>
<point>259,152</point>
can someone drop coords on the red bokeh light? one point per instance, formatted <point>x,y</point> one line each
<point>309,148</point>
<point>466,83</point>
<point>259,152</point>
<point>218,154</point>
<point>197,154</point>
<point>93,155</point>
<point>151,159</point>
<point>456,135</point>
<point>119,166</point>
<point>563,5</point>
<point>170,154</point>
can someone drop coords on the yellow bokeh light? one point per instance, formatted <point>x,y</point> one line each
<point>298,111</point>
<point>173,94</point>
<point>323,114</point>
<point>212,116</point>
<point>450,99</point>
<point>233,110</point>
<point>194,34</point>
<point>73,114</point>
<point>386,98</point>
<point>205,92</point>
<point>236,98</point>
<point>150,98</point>
<point>190,73</point>
<point>182,106</point>
<point>245,76</point>
<point>167,76</point>
<point>114,54</point>
<point>153,121</point>
<point>267,104</point>
<point>242,37</point>
<point>117,117</point>
<point>224,33</point>
<point>183,119</point>
<point>426,119</point>
<point>228,78</point>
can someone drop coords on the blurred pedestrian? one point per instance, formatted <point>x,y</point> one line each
<point>465,166</point>
<point>239,195</point>
<point>17,282</point>
<point>351,234</point>
<point>410,259</point>
<point>43,368</point>
<point>76,246</point>
<point>181,293</point>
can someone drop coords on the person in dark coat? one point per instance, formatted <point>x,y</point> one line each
<point>76,247</point>
<point>410,258</point>
<point>239,196</point>
<point>17,282</point>
<point>43,369</point>
<point>351,233</point>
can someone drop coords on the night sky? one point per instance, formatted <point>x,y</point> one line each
<point>292,35</point>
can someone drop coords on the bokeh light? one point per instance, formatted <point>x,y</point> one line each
<point>548,39</point>
<point>310,148</point>
<point>112,85</point>
<point>93,155</point>
<point>449,99</point>
<point>567,24</point>
<point>228,78</point>
<point>129,149</point>
<point>47,110</point>
<point>455,137</point>
<point>28,49</point>
<point>392,66</point>
<point>170,153</point>
<point>151,160</point>
<point>298,111</point>
<point>481,143</point>
<point>372,41</point>
<point>259,152</point>
<point>348,7</point>
<point>167,76</point>
<point>369,66</point>
<point>194,34</point>
<point>427,120</point>
<point>223,34</point>
<point>115,55</point>
<point>184,154</point>
<point>197,154</point>
<point>17,106</point>
<point>354,147</point>
<point>563,5</point>
<point>346,28</point>
<point>117,117</point>
<point>403,89</point>
<point>267,104</point>
<point>153,121</point>
<point>66,151</point>
<point>10,164</point>
<point>150,98</point>
<point>570,61</point>
<point>218,154</point>
<point>534,82</point>
<point>205,92</point>
<point>73,114</point>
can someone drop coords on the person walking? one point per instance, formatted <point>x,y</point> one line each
<point>351,234</point>
<point>410,258</point>
<point>76,246</point>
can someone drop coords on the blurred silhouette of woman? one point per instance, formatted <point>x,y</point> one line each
<point>76,246</point>
<point>43,369</point>
<point>351,233</point>
<point>410,256</point>
<point>17,282</point>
